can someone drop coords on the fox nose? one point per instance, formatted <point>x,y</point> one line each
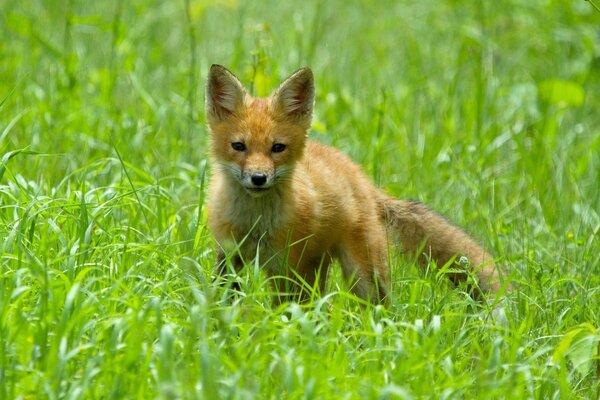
<point>258,179</point>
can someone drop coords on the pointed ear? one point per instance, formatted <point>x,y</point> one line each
<point>296,95</point>
<point>224,93</point>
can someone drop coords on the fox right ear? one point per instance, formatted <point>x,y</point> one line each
<point>296,95</point>
<point>224,93</point>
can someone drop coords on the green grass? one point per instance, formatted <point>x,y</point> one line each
<point>486,111</point>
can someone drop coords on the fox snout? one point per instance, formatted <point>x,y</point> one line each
<point>258,179</point>
<point>257,182</point>
<point>258,171</point>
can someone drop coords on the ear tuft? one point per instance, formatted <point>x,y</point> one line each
<point>296,95</point>
<point>224,93</point>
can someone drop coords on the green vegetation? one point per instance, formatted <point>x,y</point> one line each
<point>488,111</point>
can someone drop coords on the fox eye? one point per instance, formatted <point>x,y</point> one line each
<point>238,146</point>
<point>278,148</point>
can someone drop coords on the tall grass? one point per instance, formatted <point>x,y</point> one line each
<point>486,111</point>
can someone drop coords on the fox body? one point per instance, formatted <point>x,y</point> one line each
<point>297,204</point>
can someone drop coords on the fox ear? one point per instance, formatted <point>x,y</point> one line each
<point>224,93</point>
<point>296,95</point>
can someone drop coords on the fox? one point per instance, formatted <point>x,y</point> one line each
<point>295,206</point>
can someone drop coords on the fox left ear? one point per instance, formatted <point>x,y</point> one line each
<point>224,93</point>
<point>296,95</point>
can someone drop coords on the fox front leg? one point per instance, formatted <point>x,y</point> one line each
<point>225,267</point>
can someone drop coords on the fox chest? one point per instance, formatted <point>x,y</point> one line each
<point>253,227</point>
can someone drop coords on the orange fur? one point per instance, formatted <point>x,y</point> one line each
<point>297,204</point>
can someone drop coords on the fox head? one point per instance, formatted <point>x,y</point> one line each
<point>257,141</point>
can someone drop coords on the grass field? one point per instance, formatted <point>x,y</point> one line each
<point>488,111</point>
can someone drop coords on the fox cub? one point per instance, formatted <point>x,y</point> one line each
<point>294,205</point>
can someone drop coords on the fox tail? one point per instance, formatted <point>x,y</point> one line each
<point>419,229</point>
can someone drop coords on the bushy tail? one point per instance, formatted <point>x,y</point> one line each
<point>419,229</point>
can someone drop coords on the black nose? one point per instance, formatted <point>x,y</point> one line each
<point>258,179</point>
